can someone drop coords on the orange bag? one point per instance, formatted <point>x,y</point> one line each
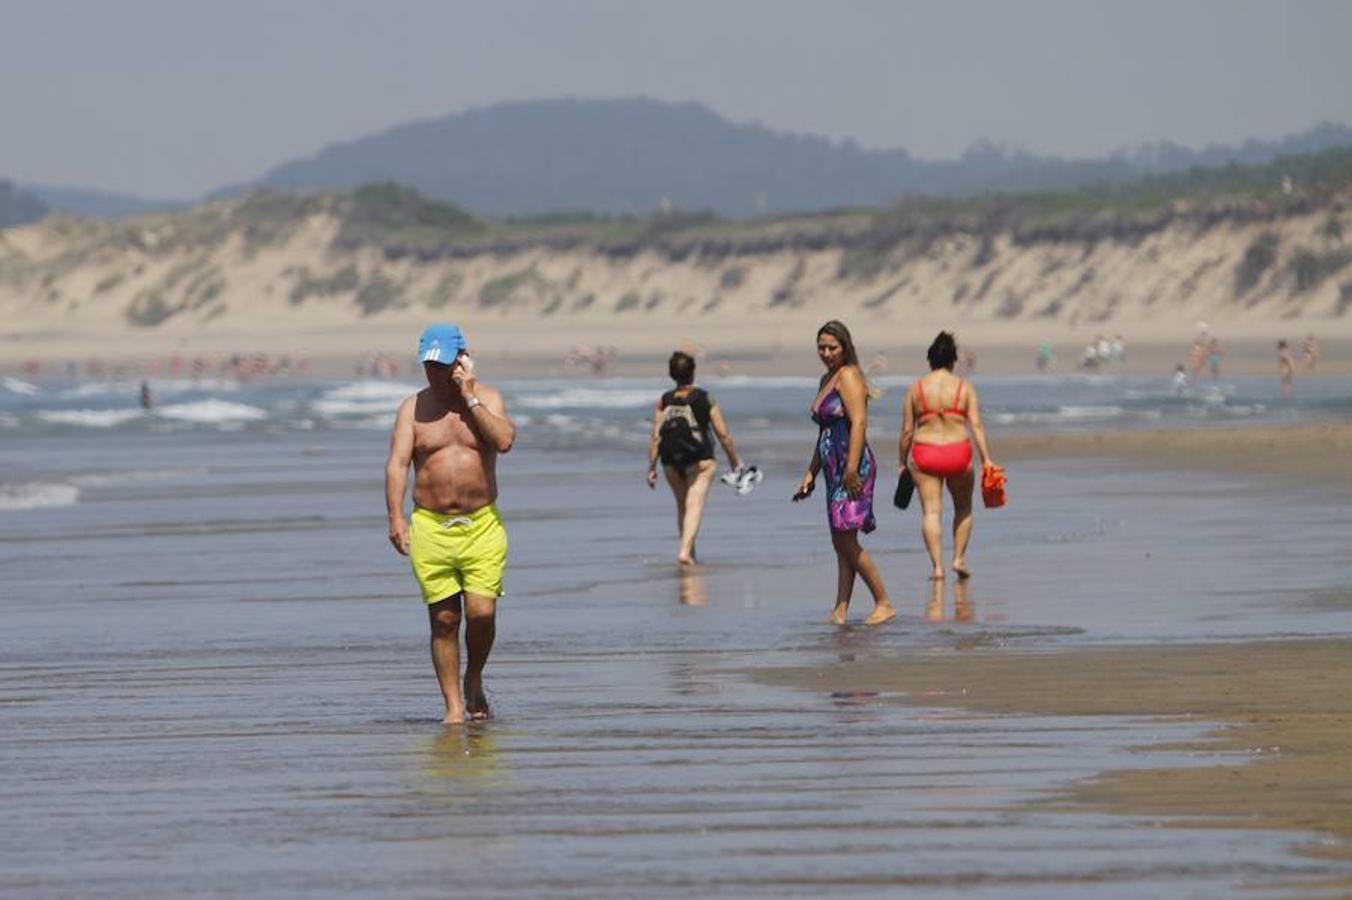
<point>992,486</point>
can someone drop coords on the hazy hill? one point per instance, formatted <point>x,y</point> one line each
<point>96,203</point>
<point>18,207</point>
<point>632,156</point>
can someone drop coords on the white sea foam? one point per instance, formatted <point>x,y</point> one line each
<point>371,390</point>
<point>90,418</point>
<point>114,479</point>
<point>763,381</point>
<point>588,398</point>
<point>18,386</point>
<point>362,398</point>
<point>37,495</point>
<point>562,423</point>
<point>212,412</point>
<point>1090,412</point>
<point>158,386</point>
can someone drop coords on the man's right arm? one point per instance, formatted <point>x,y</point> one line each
<point>396,474</point>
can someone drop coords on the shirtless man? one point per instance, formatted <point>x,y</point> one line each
<point>452,432</point>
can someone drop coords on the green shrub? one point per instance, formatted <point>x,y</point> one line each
<point>1310,269</point>
<point>150,309</point>
<point>1332,229</point>
<point>500,290</point>
<point>444,293</point>
<point>342,281</point>
<point>377,294</point>
<point>109,282</point>
<point>1344,297</point>
<point>1258,258</point>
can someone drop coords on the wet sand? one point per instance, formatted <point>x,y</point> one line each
<point>1305,451</point>
<point>1281,761</point>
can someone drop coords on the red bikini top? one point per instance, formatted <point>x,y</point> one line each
<point>926,412</point>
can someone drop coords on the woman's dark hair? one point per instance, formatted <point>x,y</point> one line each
<point>682,368</point>
<point>837,330</point>
<point>943,353</point>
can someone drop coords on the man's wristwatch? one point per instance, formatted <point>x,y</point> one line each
<point>471,403</point>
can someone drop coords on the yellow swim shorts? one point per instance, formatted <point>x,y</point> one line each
<point>455,552</point>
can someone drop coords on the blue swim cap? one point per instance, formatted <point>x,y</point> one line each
<point>440,343</point>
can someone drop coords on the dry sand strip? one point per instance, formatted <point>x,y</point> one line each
<point>1314,451</point>
<point>1287,705</point>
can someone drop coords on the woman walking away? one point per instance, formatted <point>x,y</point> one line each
<point>935,418</point>
<point>681,440</point>
<point>840,410</point>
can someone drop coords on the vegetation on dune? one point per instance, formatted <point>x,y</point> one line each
<point>342,281</point>
<point>169,264</point>
<point>402,221</point>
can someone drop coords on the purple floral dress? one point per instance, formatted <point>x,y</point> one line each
<point>845,513</point>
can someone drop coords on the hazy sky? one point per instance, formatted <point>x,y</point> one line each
<point>176,97</point>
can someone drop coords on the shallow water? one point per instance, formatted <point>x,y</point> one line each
<point>214,677</point>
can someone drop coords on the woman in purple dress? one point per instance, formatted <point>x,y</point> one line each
<point>841,413</point>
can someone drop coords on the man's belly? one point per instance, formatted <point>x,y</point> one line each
<point>458,484</point>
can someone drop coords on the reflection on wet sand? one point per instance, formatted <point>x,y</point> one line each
<point>692,589</point>
<point>963,608</point>
<point>468,753</point>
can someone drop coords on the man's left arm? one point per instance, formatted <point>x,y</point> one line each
<point>489,415</point>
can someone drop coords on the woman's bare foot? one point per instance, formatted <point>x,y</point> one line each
<point>685,559</point>
<point>882,612</point>
<point>454,717</point>
<point>937,574</point>
<point>837,616</point>
<point>960,566</point>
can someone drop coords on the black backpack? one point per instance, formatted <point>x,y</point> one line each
<point>681,440</point>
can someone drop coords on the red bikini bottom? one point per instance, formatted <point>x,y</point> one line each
<point>943,460</point>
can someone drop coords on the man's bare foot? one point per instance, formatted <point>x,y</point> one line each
<point>960,566</point>
<point>477,707</point>
<point>882,612</point>
<point>837,616</point>
<point>685,560</point>
<point>937,575</point>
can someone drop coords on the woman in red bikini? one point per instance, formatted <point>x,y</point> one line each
<point>935,418</point>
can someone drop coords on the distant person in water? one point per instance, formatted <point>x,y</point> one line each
<point>147,401</point>
<point>685,421</point>
<point>1309,352</point>
<point>1180,380</point>
<point>1286,369</point>
<point>452,432</point>
<point>840,410</point>
<point>1197,358</point>
<point>936,416</point>
<point>1214,353</point>
<point>1045,360</point>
